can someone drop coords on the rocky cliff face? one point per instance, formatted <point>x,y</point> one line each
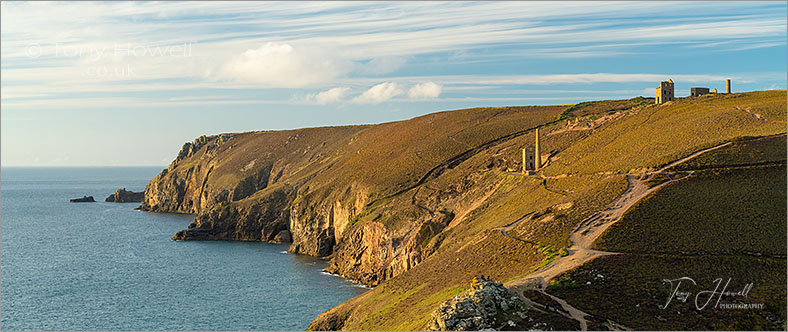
<point>181,187</point>
<point>366,196</point>
<point>263,219</point>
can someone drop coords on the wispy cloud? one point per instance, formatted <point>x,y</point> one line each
<point>279,65</point>
<point>380,65</point>
<point>55,49</point>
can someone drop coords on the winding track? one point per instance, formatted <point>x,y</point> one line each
<point>588,231</point>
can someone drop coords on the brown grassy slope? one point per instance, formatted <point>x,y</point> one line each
<point>724,212</point>
<point>385,158</point>
<point>728,220</point>
<point>393,157</point>
<point>597,108</point>
<point>398,302</point>
<point>658,134</point>
<point>243,165</point>
<point>742,152</point>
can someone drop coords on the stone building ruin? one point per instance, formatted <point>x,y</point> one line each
<point>665,92</point>
<point>695,92</point>
<point>532,158</point>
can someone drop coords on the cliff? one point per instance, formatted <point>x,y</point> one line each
<point>362,195</point>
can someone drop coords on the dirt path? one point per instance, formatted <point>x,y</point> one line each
<point>754,115</point>
<point>513,225</point>
<point>478,202</point>
<point>505,230</point>
<point>588,231</point>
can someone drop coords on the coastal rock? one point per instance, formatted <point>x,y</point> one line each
<point>84,199</point>
<point>182,187</point>
<point>487,305</point>
<point>258,219</point>
<point>364,254</point>
<point>122,196</point>
<point>282,236</point>
<point>336,191</point>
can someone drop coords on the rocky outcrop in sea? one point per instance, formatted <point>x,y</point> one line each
<point>84,199</point>
<point>122,196</point>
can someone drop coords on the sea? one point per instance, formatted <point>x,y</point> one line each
<point>105,266</point>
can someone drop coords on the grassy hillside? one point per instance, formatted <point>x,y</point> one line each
<point>727,220</point>
<point>583,174</point>
<point>741,152</point>
<point>630,290</point>
<point>723,212</point>
<point>658,134</point>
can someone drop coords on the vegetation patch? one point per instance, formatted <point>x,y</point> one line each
<point>593,193</point>
<point>658,134</point>
<point>564,282</point>
<point>741,152</point>
<point>602,107</point>
<point>661,178</point>
<point>721,211</point>
<point>631,290</point>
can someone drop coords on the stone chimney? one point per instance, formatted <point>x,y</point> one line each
<point>537,153</point>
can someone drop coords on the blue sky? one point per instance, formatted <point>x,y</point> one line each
<point>127,83</point>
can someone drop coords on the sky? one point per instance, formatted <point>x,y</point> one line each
<point>127,83</point>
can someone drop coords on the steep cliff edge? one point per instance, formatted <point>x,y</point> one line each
<point>370,197</point>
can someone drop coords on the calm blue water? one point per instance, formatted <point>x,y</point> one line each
<point>105,266</point>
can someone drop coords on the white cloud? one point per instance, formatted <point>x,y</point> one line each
<point>379,93</point>
<point>425,90</point>
<point>329,96</point>
<point>381,65</point>
<point>278,65</point>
